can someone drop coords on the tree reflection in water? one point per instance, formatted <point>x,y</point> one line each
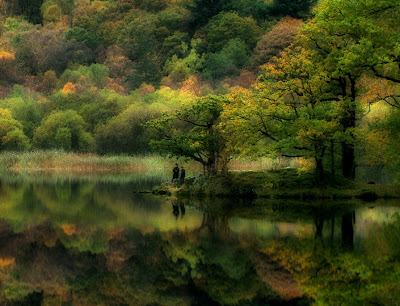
<point>85,244</point>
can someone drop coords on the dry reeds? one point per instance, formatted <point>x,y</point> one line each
<point>53,161</point>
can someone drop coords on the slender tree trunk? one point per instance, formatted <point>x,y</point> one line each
<point>319,169</point>
<point>349,122</point>
<point>319,165</point>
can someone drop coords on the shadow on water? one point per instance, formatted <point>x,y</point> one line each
<point>91,242</point>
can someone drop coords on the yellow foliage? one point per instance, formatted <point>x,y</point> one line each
<point>5,114</point>
<point>69,229</point>
<point>6,56</point>
<point>43,100</point>
<point>306,164</point>
<point>69,88</point>
<point>52,13</point>
<point>146,89</point>
<point>6,261</point>
<point>192,85</point>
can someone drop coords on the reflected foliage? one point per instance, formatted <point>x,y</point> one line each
<point>100,243</point>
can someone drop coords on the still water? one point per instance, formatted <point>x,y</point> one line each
<point>93,241</point>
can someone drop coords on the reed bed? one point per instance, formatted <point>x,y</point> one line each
<point>53,161</point>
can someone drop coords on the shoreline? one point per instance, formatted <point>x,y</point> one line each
<point>279,185</point>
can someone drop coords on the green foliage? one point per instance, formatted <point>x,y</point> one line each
<point>40,50</point>
<point>98,74</point>
<point>95,74</point>
<point>151,6</point>
<point>94,242</point>
<point>26,111</point>
<point>176,45</point>
<point>191,132</point>
<point>226,26</point>
<point>307,102</point>
<point>31,10</point>
<point>125,132</point>
<point>233,57</point>
<point>89,39</point>
<point>293,8</point>
<point>98,113</point>
<point>63,138</point>
<point>63,129</point>
<point>175,18</point>
<point>11,135</point>
<point>180,69</point>
<point>203,10</point>
<point>259,9</point>
<point>392,234</point>
<point>13,24</point>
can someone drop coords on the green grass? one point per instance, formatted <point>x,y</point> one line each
<point>59,161</point>
<point>53,161</point>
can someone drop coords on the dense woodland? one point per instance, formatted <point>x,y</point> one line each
<point>204,79</point>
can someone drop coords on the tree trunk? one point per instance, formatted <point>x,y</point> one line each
<point>224,162</point>
<point>319,169</point>
<point>211,169</point>
<point>348,161</point>
<point>319,165</point>
<point>349,122</point>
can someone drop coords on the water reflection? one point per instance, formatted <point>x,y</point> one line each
<point>94,243</point>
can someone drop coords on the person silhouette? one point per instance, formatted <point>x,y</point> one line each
<point>175,173</point>
<point>175,209</point>
<point>183,174</point>
<point>182,207</point>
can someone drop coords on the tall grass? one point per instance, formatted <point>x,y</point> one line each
<point>53,161</point>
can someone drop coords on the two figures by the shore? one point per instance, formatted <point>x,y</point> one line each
<point>175,175</point>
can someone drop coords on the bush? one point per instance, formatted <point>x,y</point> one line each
<point>63,129</point>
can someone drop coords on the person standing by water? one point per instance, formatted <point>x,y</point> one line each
<point>175,173</point>
<point>183,174</point>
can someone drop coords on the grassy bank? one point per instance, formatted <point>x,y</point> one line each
<point>59,162</point>
<point>264,178</point>
<point>62,162</point>
<point>284,184</point>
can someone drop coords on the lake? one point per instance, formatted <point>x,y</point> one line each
<point>97,241</point>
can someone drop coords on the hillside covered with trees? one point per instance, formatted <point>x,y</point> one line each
<point>204,79</point>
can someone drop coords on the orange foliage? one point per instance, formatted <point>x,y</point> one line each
<point>378,89</point>
<point>5,261</point>
<point>6,56</point>
<point>49,81</point>
<point>273,42</point>
<point>193,85</point>
<point>117,85</point>
<point>117,62</point>
<point>7,67</point>
<point>69,88</point>
<point>69,229</point>
<point>146,89</point>
<point>244,80</point>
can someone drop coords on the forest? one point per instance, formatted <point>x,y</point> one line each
<point>207,80</point>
